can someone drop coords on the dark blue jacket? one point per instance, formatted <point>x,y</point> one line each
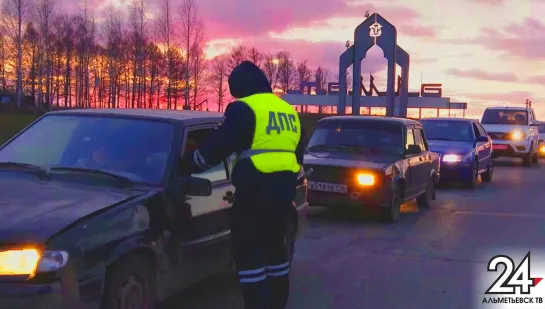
<point>235,133</point>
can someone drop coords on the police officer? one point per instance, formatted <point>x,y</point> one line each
<point>265,132</point>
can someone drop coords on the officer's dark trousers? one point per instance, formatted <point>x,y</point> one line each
<point>258,227</point>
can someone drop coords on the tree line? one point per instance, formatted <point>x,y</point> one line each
<point>137,61</point>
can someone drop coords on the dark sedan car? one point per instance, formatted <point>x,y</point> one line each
<point>370,161</point>
<point>464,146</point>
<point>95,214</point>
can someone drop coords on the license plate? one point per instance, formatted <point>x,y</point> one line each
<point>327,187</point>
<point>499,146</point>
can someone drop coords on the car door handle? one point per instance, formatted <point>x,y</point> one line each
<point>229,197</point>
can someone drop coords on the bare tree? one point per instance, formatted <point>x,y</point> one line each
<point>218,77</point>
<point>286,70</point>
<point>323,75</point>
<point>198,66</point>
<point>15,15</point>
<point>237,55</point>
<point>255,56</point>
<point>304,73</point>
<point>138,21</point>
<point>44,12</point>
<point>113,39</point>
<point>190,33</point>
<point>269,66</point>
<point>165,28</point>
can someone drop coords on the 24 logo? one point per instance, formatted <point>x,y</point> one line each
<point>512,280</point>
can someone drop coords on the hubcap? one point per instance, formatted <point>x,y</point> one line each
<point>132,294</point>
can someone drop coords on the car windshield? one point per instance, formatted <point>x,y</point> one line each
<point>134,148</point>
<point>448,130</point>
<point>505,116</point>
<point>357,135</point>
<point>542,128</point>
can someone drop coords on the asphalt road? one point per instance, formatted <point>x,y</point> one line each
<point>427,260</point>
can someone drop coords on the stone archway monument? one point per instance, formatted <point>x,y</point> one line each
<point>375,30</point>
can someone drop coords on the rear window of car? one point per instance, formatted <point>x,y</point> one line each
<point>505,116</point>
<point>448,130</point>
<point>373,136</point>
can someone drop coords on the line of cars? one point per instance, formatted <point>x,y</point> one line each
<point>381,162</point>
<point>98,214</point>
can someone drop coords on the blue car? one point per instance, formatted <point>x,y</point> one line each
<point>464,147</point>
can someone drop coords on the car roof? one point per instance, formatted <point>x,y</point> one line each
<point>449,119</point>
<point>166,114</point>
<point>515,108</point>
<point>401,121</point>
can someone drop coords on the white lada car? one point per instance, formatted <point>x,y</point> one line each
<point>514,132</point>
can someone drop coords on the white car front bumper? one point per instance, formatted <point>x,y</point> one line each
<point>507,148</point>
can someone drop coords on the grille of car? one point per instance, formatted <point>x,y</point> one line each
<point>498,135</point>
<point>332,174</point>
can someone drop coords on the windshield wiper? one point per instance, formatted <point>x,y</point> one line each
<point>42,171</point>
<point>115,176</point>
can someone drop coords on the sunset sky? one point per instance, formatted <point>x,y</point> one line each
<point>484,52</point>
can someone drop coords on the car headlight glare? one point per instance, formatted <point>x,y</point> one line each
<point>365,179</point>
<point>29,261</point>
<point>517,135</point>
<point>452,158</point>
<point>542,148</point>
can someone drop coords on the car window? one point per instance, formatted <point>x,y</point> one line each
<point>541,128</point>
<point>505,116</point>
<point>419,138</point>
<point>410,138</point>
<point>359,135</point>
<point>134,148</point>
<point>482,131</point>
<point>476,130</point>
<point>196,137</point>
<point>448,130</point>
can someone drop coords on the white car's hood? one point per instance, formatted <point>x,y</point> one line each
<point>504,128</point>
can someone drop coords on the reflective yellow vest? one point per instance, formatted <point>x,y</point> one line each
<point>277,133</point>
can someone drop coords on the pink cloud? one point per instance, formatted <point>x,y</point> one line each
<point>483,75</point>
<point>224,20</point>
<point>323,53</point>
<point>502,97</point>
<point>537,79</point>
<point>517,39</point>
<point>490,2</point>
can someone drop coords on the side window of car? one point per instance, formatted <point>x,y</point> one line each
<point>419,139</point>
<point>482,131</point>
<point>195,138</point>
<point>476,130</point>
<point>410,138</point>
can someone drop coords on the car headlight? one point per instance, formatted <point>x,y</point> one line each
<point>452,158</point>
<point>365,179</point>
<point>542,148</point>
<point>517,135</point>
<point>29,261</point>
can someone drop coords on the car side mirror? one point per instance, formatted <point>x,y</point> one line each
<point>482,139</point>
<point>196,186</point>
<point>413,149</point>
